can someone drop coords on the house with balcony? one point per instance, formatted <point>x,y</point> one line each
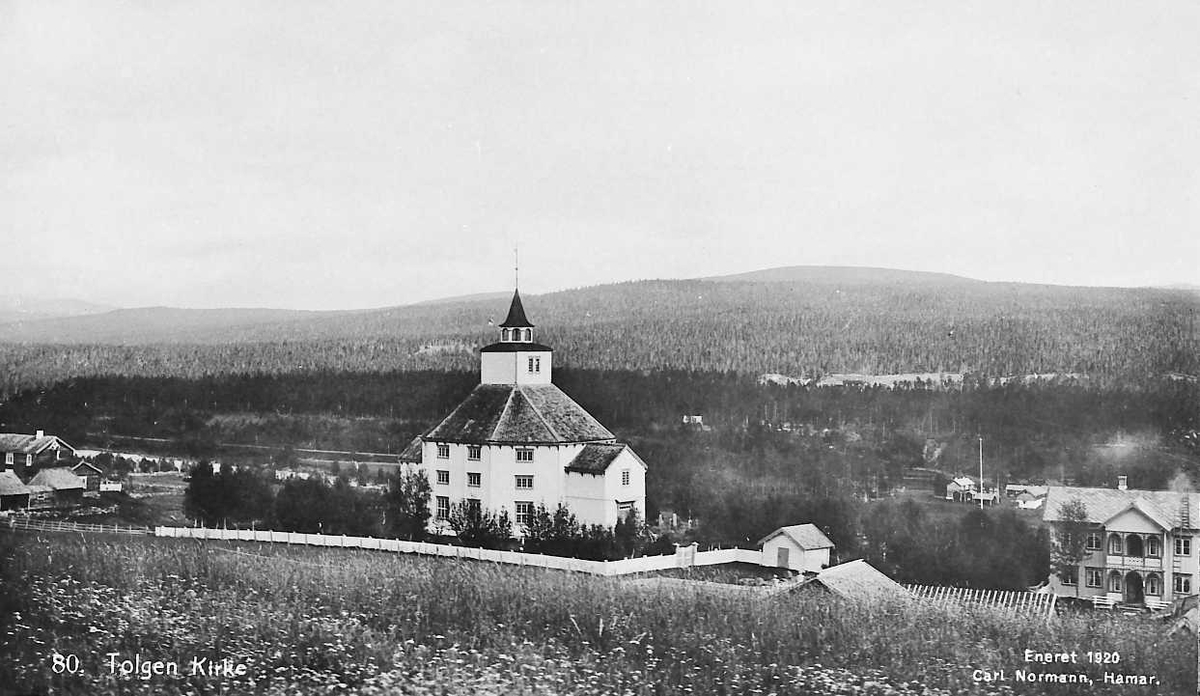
<point>517,441</point>
<point>1141,546</point>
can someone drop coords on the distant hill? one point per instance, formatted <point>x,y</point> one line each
<point>26,308</point>
<point>800,321</point>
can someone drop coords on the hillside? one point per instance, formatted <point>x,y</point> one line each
<point>20,308</point>
<point>798,321</point>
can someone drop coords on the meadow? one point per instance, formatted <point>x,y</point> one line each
<point>306,620</point>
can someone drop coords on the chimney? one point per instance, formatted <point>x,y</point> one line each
<point>1122,483</point>
<point>40,434</point>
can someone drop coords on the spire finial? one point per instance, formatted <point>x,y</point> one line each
<point>516,268</point>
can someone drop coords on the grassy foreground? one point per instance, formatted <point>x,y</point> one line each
<point>330,621</point>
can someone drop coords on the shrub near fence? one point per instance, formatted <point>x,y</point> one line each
<point>685,556</point>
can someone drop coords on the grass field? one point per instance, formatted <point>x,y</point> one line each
<point>306,620</point>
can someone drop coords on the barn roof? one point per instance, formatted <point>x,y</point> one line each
<point>1164,507</point>
<point>519,414</point>
<point>29,444</point>
<point>57,478</point>
<point>806,536</point>
<point>81,465</point>
<point>11,485</point>
<point>596,457</point>
<point>856,580</point>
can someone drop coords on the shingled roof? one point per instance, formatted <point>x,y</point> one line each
<point>1164,507</point>
<point>516,314</point>
<point>412,453</point>
<point>29,444</point>
<point>11,485</point>
<point>856,580</point>
<point>518,414</point>
<point>596,457</point>
<point>806,536</point>
<point>58,478</point>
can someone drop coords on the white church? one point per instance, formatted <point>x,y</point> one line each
<point>517,440</point>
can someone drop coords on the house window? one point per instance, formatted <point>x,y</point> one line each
<point>1095,577</point>
<point>1115,546</point>
<point>1070,576</point>
<point>1153,546</point>
<point>443,451</point>
<point>443,477</point>
<point>524,509</point>
<point>1153,584</point>
<point>625,477</point>
<point>524,455</point>
<point>1114,582</point>
<point>473,479</point>
<point>443,507</point>
<point>1093,542</point>
<point>1183,547</point>
<point>473,452</point>
<point>1183,584</point>
<point>524,482</point>
<point>8,458</point>
<point>473,505</point>
<point>29,460</point>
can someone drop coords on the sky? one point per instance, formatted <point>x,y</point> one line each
<point>336,155</point>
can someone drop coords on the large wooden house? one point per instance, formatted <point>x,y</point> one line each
<point>517,440</point>
<point>1141,546</point>
<point>25,454</point>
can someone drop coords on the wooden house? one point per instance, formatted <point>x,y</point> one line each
<point>25,454</point>
<point>91,475</point>
<point>799,547</point>
<point>66,489</point>
<point>14,494</point>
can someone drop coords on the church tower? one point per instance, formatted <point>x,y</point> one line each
<point>515,359</point>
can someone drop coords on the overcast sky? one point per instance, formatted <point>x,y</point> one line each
<point>360,154</point>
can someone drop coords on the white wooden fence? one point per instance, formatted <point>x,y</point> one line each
<point>36,525</point>
<point>684,557</point>
<point>1037,603</point>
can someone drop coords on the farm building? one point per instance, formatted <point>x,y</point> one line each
<point>65,487</point>
<point>25,454</point>
<point>854,581</point>
<point>91,475</point>
<point>517,440</point>
<point>1142,547</point>
<point>960,489</point>
<point>800,547</point>
<point>13,493</point>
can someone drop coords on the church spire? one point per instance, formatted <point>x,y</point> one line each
<point>516,326</point>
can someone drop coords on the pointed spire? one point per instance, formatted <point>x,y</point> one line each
<point>516,314</point>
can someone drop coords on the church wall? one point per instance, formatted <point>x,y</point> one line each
<point>587,498</point>
<point>503,368</point>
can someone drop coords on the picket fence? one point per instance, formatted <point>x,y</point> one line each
<point>684,557</point>
<point>1036,603</point>
<point>36,525</point>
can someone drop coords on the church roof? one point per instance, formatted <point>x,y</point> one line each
<point>516,313</point>
<point>518,414</point>
<point>596,457</point>
<point>512,347</point>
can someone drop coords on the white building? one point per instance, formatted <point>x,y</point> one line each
<point>801,547</point>
<point>517,440</point>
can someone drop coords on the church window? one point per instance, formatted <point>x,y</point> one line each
<point>1094,577</point>
<point>1183,547</point>
<point>625,477</point>
<point>524,482</point>
<point>528,334</point>
<point>443,507</point>
<point>1093,542</point>
<point>530,368</point>
<point>473,479</point>
<point>443,451</point>
<point>473,452</point>
<point>524,510</point>
<point>443,477</point>
<point>1183,584</point>
<point>524,454</point>
<point>503,334</point>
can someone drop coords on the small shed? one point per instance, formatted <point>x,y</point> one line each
<point>90,473</point>
<point>13,494</point>
<point>855,580</point>
<point>799,547</point>
<point>67,487</point>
